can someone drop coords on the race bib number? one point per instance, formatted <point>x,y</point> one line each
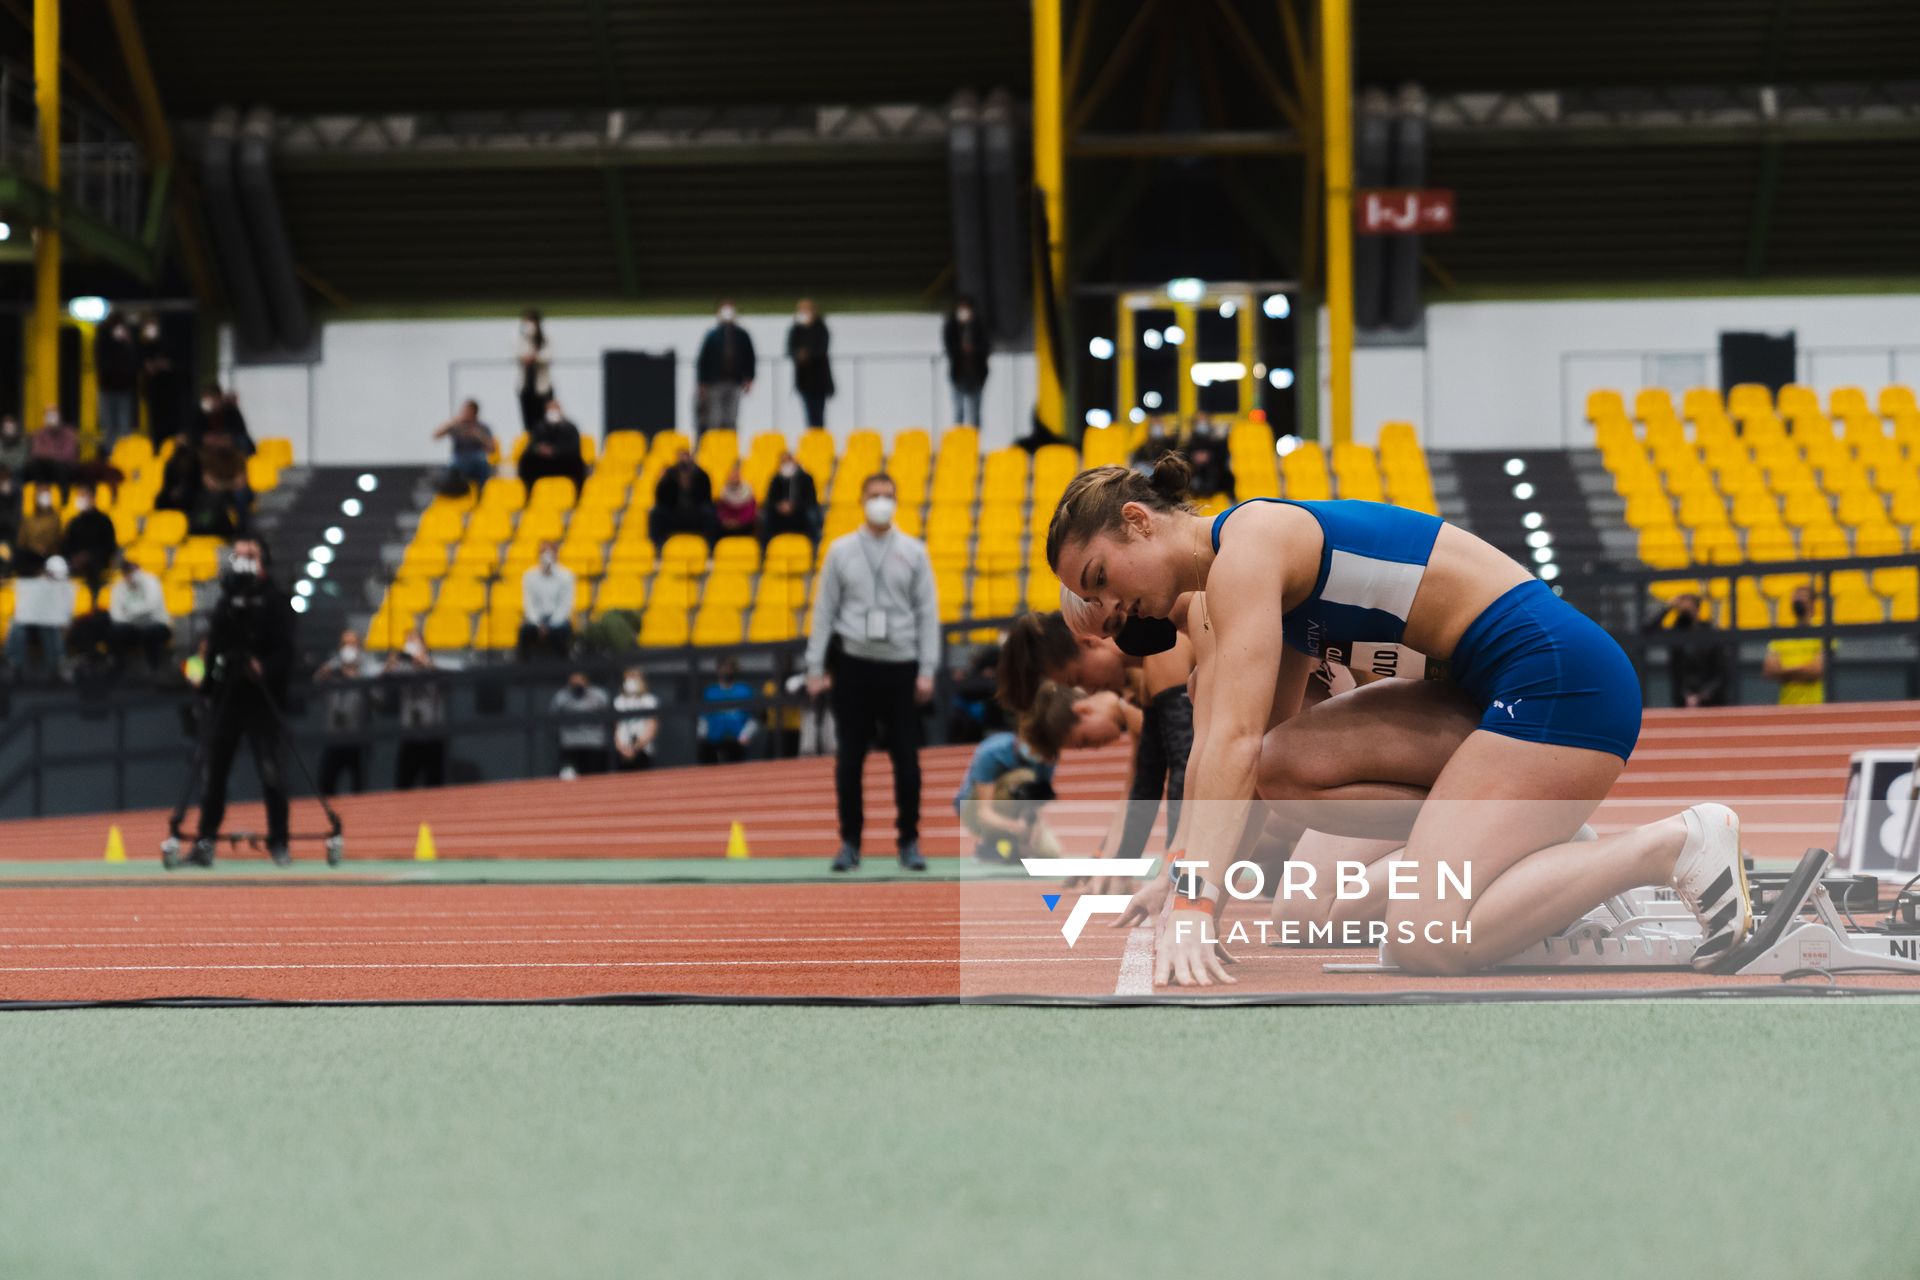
<point>1385,660</point>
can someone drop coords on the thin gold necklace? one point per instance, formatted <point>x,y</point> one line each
<point>1205,625</point>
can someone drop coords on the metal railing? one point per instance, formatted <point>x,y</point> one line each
<point>101,168</point>
<point>507,700</point>
<point>1619,598</point>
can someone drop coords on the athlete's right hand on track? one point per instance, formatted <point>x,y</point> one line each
<point>1144,908</point>
<point>1187,954</point>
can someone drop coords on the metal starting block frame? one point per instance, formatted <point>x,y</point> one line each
<point>1646,929</point>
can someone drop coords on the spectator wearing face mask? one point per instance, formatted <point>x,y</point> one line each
<point>13,446</point>
<point>726,730</point>
<point>553,449</point>
<point>723,373</point>
<point>53,455</point>
<point>1798,664</point>
<point>42,612</point>
<point>39,533</point>
<point>1207,453</point>
<point>546,606</point>
<point>968,346</point>
<point>140,622</point>
<point>793,504</point>
<point>812,371</point>
<point>471,443</point>
<point>735,508</point>
<point>1151,448</point>
<point>181,480</point>
<point>583,744</point>
<point>422,702</point>
<point>89,542</point>
<point>535,384</point>
<point>682,503</point>
<point>9,515</point>
<point>876,598</point>
<point>157,382</point>
<point>116,372</point>
<point>634,732</point>
<point>345,674</point>
<point>1697,672</point>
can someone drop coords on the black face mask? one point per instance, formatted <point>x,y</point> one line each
<point>1144,637</point>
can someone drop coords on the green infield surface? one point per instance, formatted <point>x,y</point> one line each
<point>1691,1138</point>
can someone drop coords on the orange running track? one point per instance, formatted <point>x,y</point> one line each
<point>1784,768</point>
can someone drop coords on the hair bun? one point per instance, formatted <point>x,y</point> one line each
<point>1171,476</point>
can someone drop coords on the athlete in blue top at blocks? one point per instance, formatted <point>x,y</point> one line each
<point>1520,715</point>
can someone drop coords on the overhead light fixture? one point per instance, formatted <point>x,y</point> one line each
<point>1099,418</point>
<point>1229,309</point>
<point>335,535</point>
<point>1207,372</point>
<point>1279,379</point>
<point>351,507</point>
<point>1539,538</point>
<point>88,310</point>
<point>368,482</point>
<point>1549,572</point>
<point>1151,400</point>
<point>1136,414</point>
<point>1276,307</point>
<point>1150,339</point>
<point>1186,289</point>
<point>1523,491</point>
<point>1286,445</point>
<point>299,604</point>
<point>1516,467</point>
<point>1100,348</point>
<point>1175,334</point>
<point>1533,520</point>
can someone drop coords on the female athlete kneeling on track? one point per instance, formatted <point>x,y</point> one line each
<point>1554,707</point>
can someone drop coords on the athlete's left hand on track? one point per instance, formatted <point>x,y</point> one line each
<point>1186,955</point>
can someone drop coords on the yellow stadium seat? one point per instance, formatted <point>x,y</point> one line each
<point>1896,401</point>
<point>441,523</point>
<point>737,555</point>
<point>717,625</point>
<point>1852,608</point>
<point>1770,542</point>
<point>1702,508</point>
<point>780,592</point>
<point>771,625</point>
<point>408,596</point>
<point>663,626</point>
<point>1716,544</point>
<point>1652,404</point>
<point>503,493</point>
<point>461,595</point>
<point>625,446</point>
<point>1802,508</point>
<point>1842,401</point>
<point>1797,401</point>
<point>1828,542</point>
<point>179,597</point>
<point>165,528</point>
<point>448,630</point>
<point>262,475</point>
<point>730,590</point>
<point>1605,404</point>
<point>584,559</point>
<point>551,493</point>
<point>595,526</point>
<point>540,524</point>
<point>1664,547</point>
<point>790,553</point>
<point>198,558</point>
<point>1752,508</point>
<point>996,595</point>
<point>277,450</point>
<point>620,591</point>
<point>1861,507</point>
<point>686,552</point>
<point>1648,511</point>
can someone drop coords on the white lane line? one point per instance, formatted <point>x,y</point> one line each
<point>1136,963</point>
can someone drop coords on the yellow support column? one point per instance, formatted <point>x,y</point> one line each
<point>1124,355</point>
<point>43,343</point>
<point>1247,314</point>
<point>1188,397</point>
<point>1336,97</point>
<point>1049,180</point>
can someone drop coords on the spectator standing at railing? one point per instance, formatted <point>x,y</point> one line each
<point>793,504</point>
<point>53,455</point>
<point>726,730</point>
<point>553,449</point>
<point>345,675</point>
<point>535,386</point>
<point>635,731</point>
<point>1697,671</point>
<point>423,714</point>
<point>13,446</point>
<point>157,385</point>
<point>734,510</point>
<point>724,372</point>
<point>116,374</point>
<point>471,442</point>
<point>876,601</point>
<point>42,612</point>
<point>546,606</point>
<point>968,347</point>
<point>583,744</point>
<point>807,341</point>
<point>1798,664</point>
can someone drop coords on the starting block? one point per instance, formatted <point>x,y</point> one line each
<point>1801,930</point>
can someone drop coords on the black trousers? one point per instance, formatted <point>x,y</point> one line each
<point>816,405</point>
<point>422,761</point>
<point>339,760</point>
<point>584,760</point>
<point>1159,764</point>
<point>243,712</point>
<point>728,751</point>
<point>558,642</point>
<point>868,696</point>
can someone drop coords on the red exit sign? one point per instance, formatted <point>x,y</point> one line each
<point>1403,211</point>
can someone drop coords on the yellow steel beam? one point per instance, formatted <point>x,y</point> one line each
<point>158,137</point>
<point>1336,124</point>
<point>1049,181</point>
<point>43,350</point>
